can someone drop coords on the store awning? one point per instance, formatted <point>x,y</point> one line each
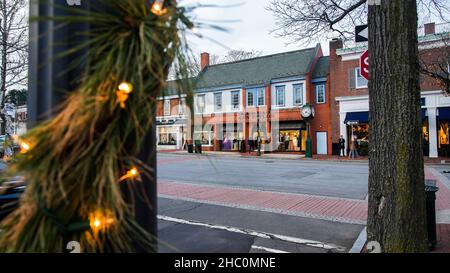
<point>363,117</point>
<point>444,113</point>
<point>424,114</point>
<point>360,117</point>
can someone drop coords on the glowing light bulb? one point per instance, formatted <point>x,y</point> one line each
<point>158,8</point>
<point>24,147</point>
<point>100,220</point>
<point>97,223</point>
<point>126,87</point>
<point>131,174</point>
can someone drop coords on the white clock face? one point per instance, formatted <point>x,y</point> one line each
<point>306,112</point>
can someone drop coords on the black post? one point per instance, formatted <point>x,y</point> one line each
<point>258,139</point>
<point>50,79</point>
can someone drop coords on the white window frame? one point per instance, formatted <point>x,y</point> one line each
<point>182,107</point>
<point>218,108</point>
<point>324,93</point>
<point>302,90</point>
<point>167,111</point>
<point>280,89</point>
<point>238,106</point>
<point>358,75</point>
<point>199,97</point>
<point>258,92</point>
<point>252,92</point>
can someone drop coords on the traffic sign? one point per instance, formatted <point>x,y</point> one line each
<point>362,33</point>
<point>364,64</point>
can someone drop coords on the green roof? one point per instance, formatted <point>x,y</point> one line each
<point>260,70</point>
<point>322,68</point>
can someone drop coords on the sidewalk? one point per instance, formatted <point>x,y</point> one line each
<point>286,156</point>
<point>442,210</point>
<point>297,156</point>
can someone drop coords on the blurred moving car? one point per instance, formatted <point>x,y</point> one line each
<point>10,193</point>
<point>2,145</point>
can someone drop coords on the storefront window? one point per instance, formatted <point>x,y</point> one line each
<point>205,137</point>
<point>167,136</point>
<point>232,137</point>
<point>292,140</point>
<point>361,132</point>
<point>425,138</point>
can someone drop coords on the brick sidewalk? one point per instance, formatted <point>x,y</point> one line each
<point>318,207</point>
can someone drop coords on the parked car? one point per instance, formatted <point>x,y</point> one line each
<point>10,193</point>
<point>2,145</point>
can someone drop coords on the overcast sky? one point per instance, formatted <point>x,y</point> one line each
<point>251,27</point>
<point>250,30</point>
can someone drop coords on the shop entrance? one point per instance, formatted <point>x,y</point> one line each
<point>360,131</point>
<point>292,137</point>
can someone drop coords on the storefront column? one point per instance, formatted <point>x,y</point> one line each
<point>178,138</point>
<point>432,130</point>
<point>343,130</point>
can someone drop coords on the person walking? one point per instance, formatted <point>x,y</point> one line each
<point>342,146</point>
<point>353,151</point>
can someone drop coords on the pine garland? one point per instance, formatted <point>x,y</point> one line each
<point>74,164</point>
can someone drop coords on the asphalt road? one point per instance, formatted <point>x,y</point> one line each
<point>335,179</point>
<point>186,226</point>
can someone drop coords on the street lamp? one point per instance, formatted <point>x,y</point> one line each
<point>258,139</point>
<point>308,113</point>
<point>202,109</point>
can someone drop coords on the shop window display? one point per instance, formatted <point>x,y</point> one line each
<point>361,132</point>
<point>167,136</point>
<point>444,138</point>
<point>292,140</point>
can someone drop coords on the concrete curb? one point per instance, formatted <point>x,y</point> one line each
<point>265,157</point>
<point>360,242</point>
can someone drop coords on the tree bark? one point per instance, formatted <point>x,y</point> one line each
<point>396,216</point>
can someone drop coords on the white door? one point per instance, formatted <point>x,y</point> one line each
<point>321,138</point>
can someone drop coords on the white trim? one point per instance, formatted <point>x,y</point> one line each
<point>171,97</point>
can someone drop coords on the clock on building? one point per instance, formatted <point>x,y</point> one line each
<point>308,112</point>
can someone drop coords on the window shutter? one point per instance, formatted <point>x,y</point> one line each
<point>351,78</point>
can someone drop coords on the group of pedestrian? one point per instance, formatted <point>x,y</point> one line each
<point>353,147</point>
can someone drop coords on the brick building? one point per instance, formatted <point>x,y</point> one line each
<point>236,101</point>
<point>350,100</point>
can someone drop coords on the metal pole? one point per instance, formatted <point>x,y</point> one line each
<point>258,140</point>
<point>308,141</point>
<point>47,87</point>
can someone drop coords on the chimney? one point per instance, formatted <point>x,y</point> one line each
<point>335,44</point>
<point>430,28</point>
<point>204,60</point>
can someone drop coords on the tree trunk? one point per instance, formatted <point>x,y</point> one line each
<point>396,217</point>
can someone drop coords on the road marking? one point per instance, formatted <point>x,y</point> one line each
<point>258,234</point>
<point>271,250</point>
<point>360,242</point>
